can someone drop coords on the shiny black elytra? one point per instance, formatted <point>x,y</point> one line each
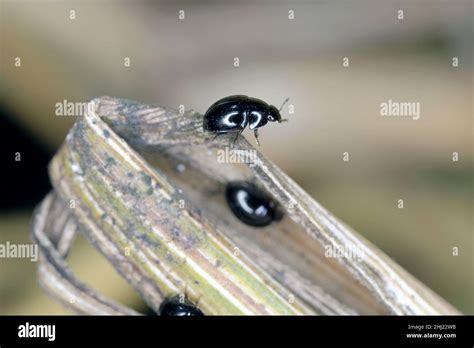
<point>173,307</point>
<point>232,114</point>
<point>251,205</point>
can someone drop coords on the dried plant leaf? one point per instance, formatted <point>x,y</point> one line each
<point>148,186</point>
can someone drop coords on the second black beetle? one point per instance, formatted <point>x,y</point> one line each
<point>251,205</point>
<point>232,114</point>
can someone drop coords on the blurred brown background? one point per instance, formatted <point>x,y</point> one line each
<point>337,109</point>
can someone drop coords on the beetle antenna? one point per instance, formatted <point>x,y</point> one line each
<point>281,108</point>
<point>286,101</point>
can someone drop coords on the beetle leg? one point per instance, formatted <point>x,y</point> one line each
<point>255,132</point>
<point>185,291</point>
<point>236,137</point>
<point>217,134</point>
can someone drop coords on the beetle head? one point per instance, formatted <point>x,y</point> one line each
<point>273,114</point>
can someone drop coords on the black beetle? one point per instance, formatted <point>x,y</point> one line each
<point>176,307</point>
<point>251,205</point>
<point>232,114</point>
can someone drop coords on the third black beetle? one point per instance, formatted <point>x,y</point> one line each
<point>232,114</point>
<point>176,307</point>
